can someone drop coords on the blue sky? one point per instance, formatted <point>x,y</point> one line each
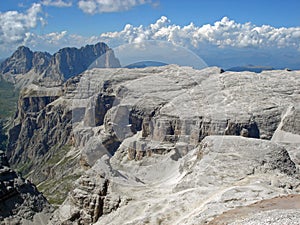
<point>223,32</point>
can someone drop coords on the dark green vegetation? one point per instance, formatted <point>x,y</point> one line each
<point>8,99</point>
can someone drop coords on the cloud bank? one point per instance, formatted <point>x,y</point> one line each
<point>224,43</point>
<point>106,6</point>
<point>223,33</point>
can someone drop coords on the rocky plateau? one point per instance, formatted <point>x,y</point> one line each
<point>160,145</point>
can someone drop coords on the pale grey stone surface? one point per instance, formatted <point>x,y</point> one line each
<point>185,143</point>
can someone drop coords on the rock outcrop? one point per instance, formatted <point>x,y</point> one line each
<point>92,197</point>
<point>20,201</point>
<point>288,130</point>
<point>184,145</point>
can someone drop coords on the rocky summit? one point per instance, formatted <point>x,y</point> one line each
<point>159,145</point>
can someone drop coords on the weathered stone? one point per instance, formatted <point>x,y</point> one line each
<point>229,171</point>
<point>155,125</point>
<point>288,130</point>
<point>91,198</point>
<point>20,201</point>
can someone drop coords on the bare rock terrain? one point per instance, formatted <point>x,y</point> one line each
<point>159,145</point>
<point>278,210</point>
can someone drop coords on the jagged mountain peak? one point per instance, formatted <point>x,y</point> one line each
<point>24,60</point>
<point>23,49</point>
<point>19,63</point>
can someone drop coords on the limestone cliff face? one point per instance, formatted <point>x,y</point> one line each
<point>40,134</point>
<point>31,111</point>
<point>148,129</point>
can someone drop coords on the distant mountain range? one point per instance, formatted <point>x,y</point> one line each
<point>251,68</point>
<point>26,66</point>
<point>144,64</point>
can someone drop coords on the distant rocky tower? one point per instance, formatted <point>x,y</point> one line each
<point>25,66</point>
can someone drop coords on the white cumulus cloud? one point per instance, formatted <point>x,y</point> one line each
<point>57,3</point>
<point>52,42</point>
<point>223,33</point>
<point>106,6</point>
<point>15,27</point>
